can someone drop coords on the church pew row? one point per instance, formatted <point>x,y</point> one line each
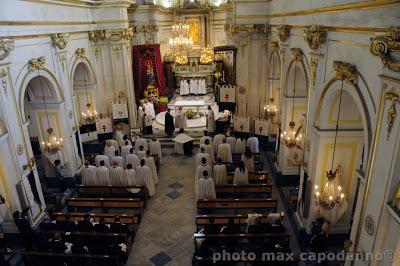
<point>254,178</point>
<point>112,191</point>
<point>235,191</point>
<point>223,219</point>
<point>33,258</point>
<point>91,236</point>
<point>231,167</point>
<point>237,205</point>
<point>135,204</point>
<point>90,156</point>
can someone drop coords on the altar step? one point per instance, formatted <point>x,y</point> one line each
<point>167,142</point>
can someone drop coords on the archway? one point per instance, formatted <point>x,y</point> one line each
<point>273,79</point>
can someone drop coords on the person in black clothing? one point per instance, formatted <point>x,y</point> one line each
<point>319,243</point>
<point>101,227</point>
<point>24,227</point>
<point>277,227</point>
<point>57,245</point>
<point>117,226</point>
<point>210,228</point>
<point>77,246</point>
<point>42,243</point>
<point>47,224</point>
<point>67,225</point>
<point>256,227</point>
<point>169,123</point>
<point>85,225</point>
<point>231,227</point>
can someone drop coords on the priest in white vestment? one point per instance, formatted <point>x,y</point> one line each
<point>180,140</point>
<point>240,145</point>
<point>117,160</point>
<point>200,169</point>
<point>155,148</point>
<point>219,174</point>
<point>119,137</point>
<point>103,175</point>
<point>193,86</point>
<point>140,117</point>
<point>149,108</point>
<point>208,149</point>
<point>149,161</point>
<point>202,154</point>
<point>210,120</point>
<point>88,174</point>
<point>141,153</point>
<point>102,157</point>
<point>132,159</point>
<point>231,140</point>
<point>241,176</point>
<point>126,139</point>
<point>203,138</point>
<point>117,175</point>
<point>206,188</point>
<point>248,159</point>
<point>125,149</point>
<point>115,144</point>
<point>218,139</point>
<point>109,149</point>
<point>141,142</point>
<point>180,119</point>
<point>143,178</point>
<point>252,143</point>
<point>129,176</point>
<point>224,152</point>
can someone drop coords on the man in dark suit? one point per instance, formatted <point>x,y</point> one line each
<point>101,227</point>
<point>277,227</point>
<point>67,225</point>
<point>117,226</point>
<point>24,227</point>
<point>211,228</point>
<point>57,245</point>
<point>85,225</point>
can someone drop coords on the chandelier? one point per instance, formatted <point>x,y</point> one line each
<point>90,115</point>
<point>51,144</point>
<point>292,137</point>
<point>206,56</point>
<point>332,194</point>
<point>271,109</point>
<point>180,42</point>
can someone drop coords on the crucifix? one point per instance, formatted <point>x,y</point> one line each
<point>104,128</point>
<point>241,127</point>
<point>227,97</point>
<point>260,129</point>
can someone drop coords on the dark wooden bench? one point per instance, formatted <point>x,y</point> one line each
<point>105,203</point>
<point>111,191</point>
<point>231,167</point>
<point>33,258</point>
<point>254,177</point>
<point>236,191</point>
<point>270,205</point>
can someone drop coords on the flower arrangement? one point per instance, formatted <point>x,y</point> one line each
<point>190,114</point>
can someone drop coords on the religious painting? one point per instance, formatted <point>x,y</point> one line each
<point>261,127</point>
<point>194,30</point>
<point>225,58</point>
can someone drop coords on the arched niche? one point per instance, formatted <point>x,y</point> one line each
<point>297,69</point>
<point>274,73</point>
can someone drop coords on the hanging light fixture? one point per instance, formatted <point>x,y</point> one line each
<point>206,56</point>
<point>180,42</point>
<point>291,136</point>
<point>51,144</point>
<point>271,109</point>
<point>90,115</point>
<point>332,193</point>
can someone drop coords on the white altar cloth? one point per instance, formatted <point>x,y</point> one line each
<point>195,103</point>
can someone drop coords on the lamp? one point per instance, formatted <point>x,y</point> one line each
<point>51,144</point>
<point>90,115</point>
<point>271,108</point>
<point>332,194</point>
<point>206,56</point>
<point>291,136</point>
<point>180,42</point>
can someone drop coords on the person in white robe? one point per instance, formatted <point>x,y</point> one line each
<point>109,149</point>
<point>219,174</point>
<point>206,188</point>
<point>125,150</point>
<point>141,142</point>
<point>203,138</point>
<point>241,175</point>
<point>103,175</point>
<point>129,176</point>
<point>202,154</point>
<point>252,143</point>
<point>117,176</point>
<point>143,178</point>
<point>119,137</point>
<point>149,108</point>
<point>224,152</point>
<point>193,86</point>
<point>240,145</point>
<point>140,117</point>
<point>115,144</point>
<point>218,139</point>
<point>126,139</point>
<point>231,140</point>
<point>149,161</point>
<point>102,157</point>
<point>181,89</point>
<point>208,149</point>
<point>180,119</point>
<point>155,148</point>
<point>248,159</point>
<point>89,177</point>
<point>132,159</point>
<point>199,173</point>
<point>141,153</point>
<point>210,120</point>
<point>117,160</point>
<point>180,141</point>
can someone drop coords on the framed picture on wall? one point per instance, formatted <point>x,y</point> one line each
<point>225,57</point>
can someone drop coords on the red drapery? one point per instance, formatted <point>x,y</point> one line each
<point>144,58</point>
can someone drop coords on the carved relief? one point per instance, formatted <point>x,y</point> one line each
<point>297,53</point>
<point>283,32</point>
<point>345,71</point>
<point>36,63</point>
<point>315,36</point>
<point>60,40</point>
<point>6,47</point>
<point>97,35</point>
<point>3,74</point>
<point>97,52</point>
<point>118,35</point>
<point>62,58</point>
<point>314,65</point>
<point>274,46</point>
<point>392,112</point>
<point>80,53</point>
<point>383,46</point>
<point>116,50</point>
<point>369,225</point>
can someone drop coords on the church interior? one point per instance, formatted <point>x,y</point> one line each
<point>199,132</point>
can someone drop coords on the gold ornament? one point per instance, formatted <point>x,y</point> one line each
<point>315,36</point>
<point>36,63</point>
<point>80,53</point>
<point>7,46</point>
<point>383,46</point>
<point>60,40</point>
<point>283,32</point>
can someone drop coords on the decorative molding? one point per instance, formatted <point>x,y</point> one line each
<point>315,36</point>
<point>244,30</point>
<point>275,47</point>
<point>80,53</point>
<point>36,63</point>
<point>118,35</point>
<point>345,71</point>
<point>3,74</point>
<point>97,52</point>
<point>116,50</point>
<point>383,46</point>
<point>62,57</point>
<point>314,66</point>
<point>392,96</point>
<point>97,35</point>
<point>6,47</point>
<point>369,225</point>
<point>297,54</point>
<point>283,32</point>
<point>60,40</point>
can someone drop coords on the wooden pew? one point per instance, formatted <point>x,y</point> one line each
<point>237,204</point>
<point>231,167</point>
<point>111,191</point>
<point>90,235</point>
<point>254,178</point>
<point>105,203</point>
<point>33,258</point>
<point>250,189</point>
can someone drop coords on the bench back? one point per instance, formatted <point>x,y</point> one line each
<point>34,258</point>
<point>236,204</point>
<point>105,203</point>
<point>108,217</point>
<point>250,189</point>
<point>111,190</point>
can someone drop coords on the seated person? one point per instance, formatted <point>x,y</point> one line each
<point>67,225</point>
<point>57,245</point>
<point>254,226</point>
<point>47,224</point>
<point>101,227</point>
<point>117,226</point>
<point>78,247</point>
<point>277,227</point>
<point>42,243</point>
<point>210,228</point>
<point>85,225</point>
<point>231,228</point>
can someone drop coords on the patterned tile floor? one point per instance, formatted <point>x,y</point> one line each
<point>165,233</point>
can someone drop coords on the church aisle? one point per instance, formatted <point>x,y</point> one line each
<point>165,233</point>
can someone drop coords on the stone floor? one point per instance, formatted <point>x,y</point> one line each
<point>165,233</point>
